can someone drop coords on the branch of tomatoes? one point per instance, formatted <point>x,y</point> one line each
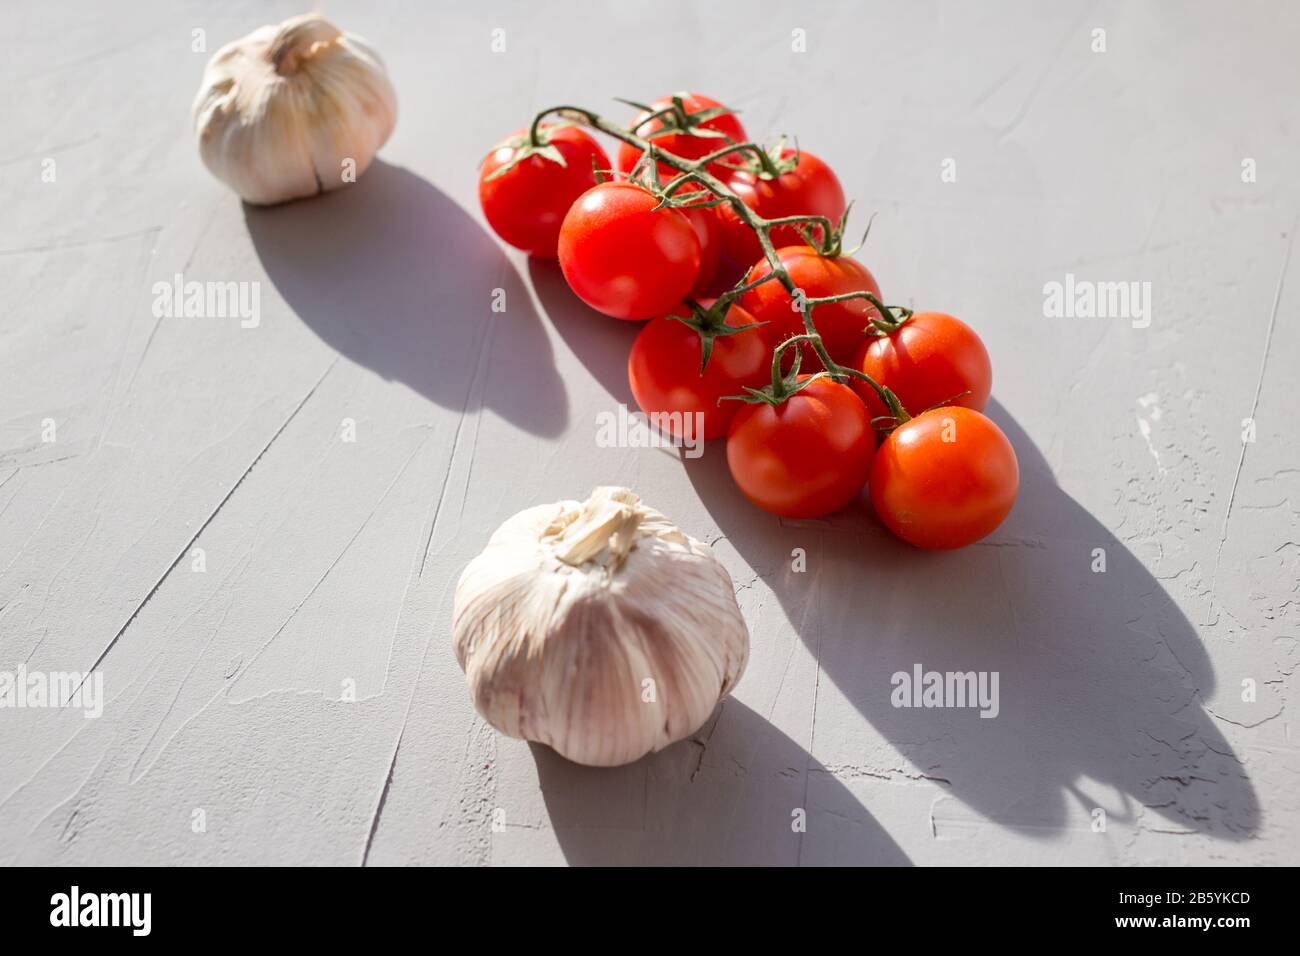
<point>646,245</point>
<point>697,171</point>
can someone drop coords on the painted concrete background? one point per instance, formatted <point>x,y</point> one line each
<point>179,512</point>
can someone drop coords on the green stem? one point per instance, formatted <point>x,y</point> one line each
<point>656,115</point>
<point>734,148</point>
<point>535,131</point>
<point>778,380</point>
<point>697,169</point>
<point>791,220</point>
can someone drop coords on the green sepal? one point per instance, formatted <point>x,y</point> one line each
<point>643,107</point>
<point>710,324</point>
<point>783,386</point>
<point>678,120</point>
<point>524,149</point>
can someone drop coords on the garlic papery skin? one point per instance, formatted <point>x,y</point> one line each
<point>293,110</point>
<point>597,628</point>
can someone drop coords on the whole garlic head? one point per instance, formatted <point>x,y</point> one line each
<point>597,628</point>
<point>280,113</point>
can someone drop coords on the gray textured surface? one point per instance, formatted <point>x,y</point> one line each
<point>330,562</point>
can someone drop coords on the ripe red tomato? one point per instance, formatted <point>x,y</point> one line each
<point>526,204</point>
<point>709,231</point>
<point>811,188</point>
<point>931,359</point>
<point>664,371</point>
<point>806,457</point>
<point>945,479</point>
<point>625,258</point>
<point>684,144</point>
<point>840,324</point>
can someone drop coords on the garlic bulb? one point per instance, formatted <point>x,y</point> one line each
<point>293,110</point>
<point>598,628</point>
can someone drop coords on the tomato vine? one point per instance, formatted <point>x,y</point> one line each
<point>675,119</point>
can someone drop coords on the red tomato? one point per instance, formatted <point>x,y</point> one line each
<point>840,324</point>
<point>684,144</point>
<point>945,479</point>
<point>623,257</point>
<point>808,456</point>
<point>810,189</point>
<point>526,204</point>
<point>709,231</point>
<point>931,359</point>
<point>664,371</point>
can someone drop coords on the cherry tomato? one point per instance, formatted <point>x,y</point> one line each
<point>664,372</point>
<point>806,457</point>
<point>931,359</point>
<point>526,204</point>
<point>709,231</point>
<point>811,188</point>
<point>840,324</point>
<point>683,144</point>
<point>945,479</point>
<point>625,258</point>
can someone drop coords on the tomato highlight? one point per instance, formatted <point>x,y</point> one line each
<point>625,257</point>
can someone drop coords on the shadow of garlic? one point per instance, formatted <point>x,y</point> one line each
<point>597,628</point>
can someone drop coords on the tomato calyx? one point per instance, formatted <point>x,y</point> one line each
<point>674,195</point>
<point>784,385</point>
<point>670,196</point>
<point>710,324</point>
<point>536,142</point>
<point>683,191</point>
<point>675,119</point>
<point>771,162</point>
<point>831,245</point>
<point>890,319</point>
